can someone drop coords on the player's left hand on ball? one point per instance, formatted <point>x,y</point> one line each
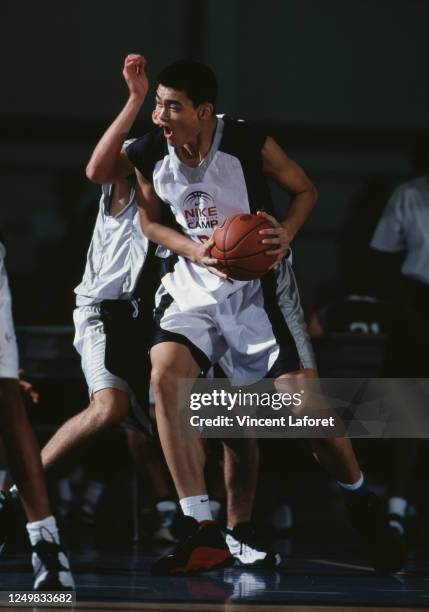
<point>204,259</point>
<point>28,388</point>
<point>278,236</point>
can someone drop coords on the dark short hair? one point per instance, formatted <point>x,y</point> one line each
<point>195,79</point>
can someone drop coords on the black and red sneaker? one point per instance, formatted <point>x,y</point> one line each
<point>202,548</point>
<point>385,545</point>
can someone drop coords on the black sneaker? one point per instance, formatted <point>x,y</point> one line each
<point>51,568</point>
<point>384,543</point>
<point>203,548</point>
<point>8,504</point>
<point>3,519</point>
<point>248,550</point>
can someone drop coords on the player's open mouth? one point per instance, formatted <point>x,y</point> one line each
<point>168,132</point>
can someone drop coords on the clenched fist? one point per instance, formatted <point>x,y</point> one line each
<point>135,76</point>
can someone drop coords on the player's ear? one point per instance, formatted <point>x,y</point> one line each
<point>205,111</point>
<point>155,117</point>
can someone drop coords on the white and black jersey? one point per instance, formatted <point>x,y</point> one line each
<point>229,180</point>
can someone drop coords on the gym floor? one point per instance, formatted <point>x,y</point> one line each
<point>317,572</point>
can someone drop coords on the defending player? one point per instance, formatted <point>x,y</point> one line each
<point>50,564</point>
<point>197,161</point>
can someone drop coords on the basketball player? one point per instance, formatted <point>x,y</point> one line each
<point>114,261</point>
<point>403,229</point>
<point>115,257</point>
<point>50,564</point>
<point>205,167</point>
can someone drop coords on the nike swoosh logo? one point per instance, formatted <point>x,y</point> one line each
<point>204,500</point>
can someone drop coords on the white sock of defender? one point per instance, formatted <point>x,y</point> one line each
<point>354,490</point>
<point>47,530</point>
<point>352,486</point>
<point>398,506</point>
<point>197,506</point>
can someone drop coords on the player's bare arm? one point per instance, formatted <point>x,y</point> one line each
<point>149,206</point>
<point>109,161</point>
<point>289,175</point>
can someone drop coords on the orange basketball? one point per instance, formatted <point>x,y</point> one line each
<point>238,247</point>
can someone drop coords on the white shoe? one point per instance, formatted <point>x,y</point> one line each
<point>247,551</point>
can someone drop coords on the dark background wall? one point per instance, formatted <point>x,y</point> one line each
<point>341,85</point>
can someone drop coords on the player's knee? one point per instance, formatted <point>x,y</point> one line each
<point>109,408</point>
<point>163,381</point>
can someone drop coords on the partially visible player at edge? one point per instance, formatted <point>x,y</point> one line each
<point>50,564</point>
<point>195,154</point>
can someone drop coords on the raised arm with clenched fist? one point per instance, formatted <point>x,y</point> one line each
<point>135,76</point>
<point>109,162</point>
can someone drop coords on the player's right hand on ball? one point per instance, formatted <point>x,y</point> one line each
<point>135,76</point>
<point>202,258</point>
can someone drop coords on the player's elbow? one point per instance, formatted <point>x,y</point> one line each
<point>96,174</point>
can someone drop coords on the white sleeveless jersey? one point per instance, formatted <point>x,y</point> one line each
<point>229,180</point>
<point>116,254</point>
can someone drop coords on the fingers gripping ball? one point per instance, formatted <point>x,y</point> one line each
<point>238,247</point>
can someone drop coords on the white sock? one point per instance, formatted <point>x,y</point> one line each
<point>397,505</point>
<point>47,530</point>
<point>197,506</point>
<point>353,486</point>
<point>166,505</point>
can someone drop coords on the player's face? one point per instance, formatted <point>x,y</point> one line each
<point>176,115</point>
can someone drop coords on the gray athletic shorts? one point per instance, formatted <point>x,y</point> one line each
<point>290,305</point>
<point>90,343</point>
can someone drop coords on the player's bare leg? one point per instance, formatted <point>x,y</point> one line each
<point>157,486</point>
<point>149,463</point>
<point>24,465</point>
<point>365,510</point>
<point>51,567</point>
<point>338,458</point>
<point>185,456</point>
<point>241,468</point>
<point>108,407</point>
<point>204,546</point>
<point>336,455</point>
